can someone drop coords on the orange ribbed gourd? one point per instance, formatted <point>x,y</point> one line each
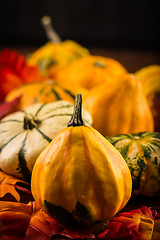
<point>120,107</point>
<point>44,92</point>
<point>80,176</point>
<point>90,71</point>
<point>150,79</point>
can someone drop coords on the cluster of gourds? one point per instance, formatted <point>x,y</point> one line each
<point>84,169</point>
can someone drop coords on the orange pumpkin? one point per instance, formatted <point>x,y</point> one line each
<point>90,71</point>
<point>43,92</point>
<point>80,175</point>
<point>120,107</point>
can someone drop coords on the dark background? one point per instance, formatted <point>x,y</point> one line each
<point>96,24</point>
<point>125,30</point>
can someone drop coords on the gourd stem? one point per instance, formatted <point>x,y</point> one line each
<point>76,119</point>
<point>29,122</point>
<point>50,31</point>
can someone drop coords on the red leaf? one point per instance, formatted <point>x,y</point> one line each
<point>9,107</point>
<point>136,224</point>
<point>14,71</point>
<point>20,221</point>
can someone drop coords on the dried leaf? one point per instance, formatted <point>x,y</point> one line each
<point>29,222</point>
<point>19,221</point>
<point>9,107</point>
<point>14,219</point>
<point>136,224</point>
<point>14,71</point>
<point>9,184</point>
<point>156,231</point>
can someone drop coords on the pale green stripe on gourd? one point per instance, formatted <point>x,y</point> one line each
<point>42,106</point>
<point>61,115</point>
<point>5,144</point>
<point>58,115</point>
<point>44,135</point>
<point>11,120</point>
<point>57,108</point>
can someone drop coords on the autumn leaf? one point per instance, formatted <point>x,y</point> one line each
<point>14,71</point>
<point>136,224</point>
<point>14,219</point>
<point>29,222</point>
<point>156,230</point>
<point>9,107</point>
<point>19,221</point>
<point>12,185</point>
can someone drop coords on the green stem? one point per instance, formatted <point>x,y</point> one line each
<point>76,119</point>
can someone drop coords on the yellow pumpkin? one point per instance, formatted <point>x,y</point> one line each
<point>80,175</point>
<point>150,79</point>
<point>54,56</point>
<point>120,107</point>
<point>90,71</point>
<point>43,92</point>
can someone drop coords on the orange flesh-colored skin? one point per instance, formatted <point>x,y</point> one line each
<point>80,165</point>
<point>120,107</point>
<point>31,93</point>
<point>150,79</point>
<point>84,73</point>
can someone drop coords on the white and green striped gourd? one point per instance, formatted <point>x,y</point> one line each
<point>24,134</point>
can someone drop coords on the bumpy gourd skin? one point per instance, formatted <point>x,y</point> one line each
<point>81,166</point>
<point>141,151</point>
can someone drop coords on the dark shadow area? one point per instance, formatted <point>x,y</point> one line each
<point>94,24</point>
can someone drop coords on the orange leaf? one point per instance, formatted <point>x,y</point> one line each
<point>14,71</point>
<point>8,184</point>
<point>19,221</point>
<point>28,221</point>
